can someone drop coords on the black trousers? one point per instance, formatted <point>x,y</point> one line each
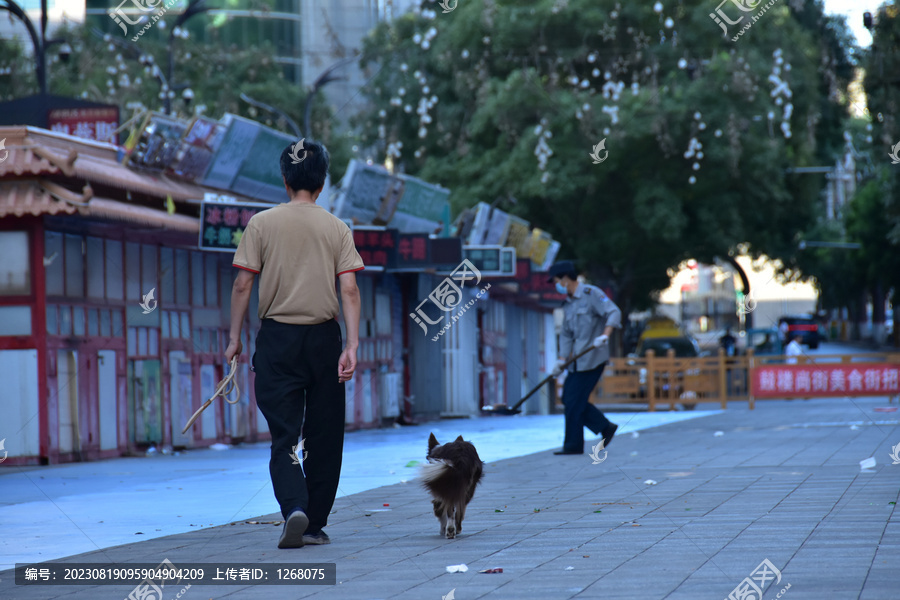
<point>580,413</point>
<point>298,392</point>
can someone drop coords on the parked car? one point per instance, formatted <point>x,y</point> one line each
<point>805,326</point>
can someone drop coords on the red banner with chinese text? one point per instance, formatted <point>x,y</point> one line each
<point>98,124</point>
<point>809,380</point>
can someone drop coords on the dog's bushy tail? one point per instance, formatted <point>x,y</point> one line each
<point>434,471</point>
<point>443,481</point>
<point>450,483</point>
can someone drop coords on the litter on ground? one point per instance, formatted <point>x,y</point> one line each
<point>457,568</point>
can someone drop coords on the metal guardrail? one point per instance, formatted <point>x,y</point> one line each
<point>669,380</point>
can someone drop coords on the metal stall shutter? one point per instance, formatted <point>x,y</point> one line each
<point>425,362</point>
<point>460,363</point>
<point>533,328</point>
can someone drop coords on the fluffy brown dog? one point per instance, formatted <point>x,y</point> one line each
<point>452,472</point>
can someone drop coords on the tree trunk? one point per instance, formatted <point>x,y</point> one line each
<point>858,316</point>
<point>896,332</point>
<point>878,302</point>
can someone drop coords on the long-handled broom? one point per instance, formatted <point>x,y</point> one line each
<point>502,409</point>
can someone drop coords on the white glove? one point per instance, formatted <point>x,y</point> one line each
<point>601,340</point>
<point>558,368</point>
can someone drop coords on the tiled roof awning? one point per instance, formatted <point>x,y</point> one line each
<point>35,152</point>
<point>22,198</point>
<point>119,211</point>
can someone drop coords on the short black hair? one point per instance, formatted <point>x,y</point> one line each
<point>308,174</point>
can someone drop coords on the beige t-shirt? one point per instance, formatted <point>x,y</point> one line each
<point>298,250</point>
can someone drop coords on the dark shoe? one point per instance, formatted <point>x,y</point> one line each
<point>608,435</point>
<point>316,539</point>
<point>294,526</point>
<point>567,452</point>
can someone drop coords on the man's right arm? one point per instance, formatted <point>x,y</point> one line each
<point>352,305</point>
<point>240,301</point>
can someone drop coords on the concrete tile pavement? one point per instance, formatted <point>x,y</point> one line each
<point>81,502</point>
<point>782,483</point>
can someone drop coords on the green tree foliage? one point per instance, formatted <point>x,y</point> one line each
<point>470,93</point>
<point>875,267</point>
<point>108,69</point>
<point>837,273</point>
<point>872,218</point>
<point>878,260</point>
<point>882,85</point>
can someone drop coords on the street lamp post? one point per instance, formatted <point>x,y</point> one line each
<point>38,39</point>
<point>321,81</point>
<point>803,245</point>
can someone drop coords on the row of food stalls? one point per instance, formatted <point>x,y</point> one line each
<point>116,282</point>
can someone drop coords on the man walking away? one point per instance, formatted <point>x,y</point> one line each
<point>590,317</point>
<point>298,249</point>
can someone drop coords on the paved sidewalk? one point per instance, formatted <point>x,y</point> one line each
<point>782,483</point>
<point>81,503</point>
